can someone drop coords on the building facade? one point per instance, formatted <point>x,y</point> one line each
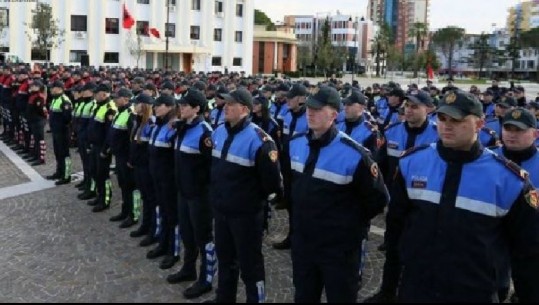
<point>523,17</point>
<point>274,51</point>
<point>204,35</point>
<point>351,32</point>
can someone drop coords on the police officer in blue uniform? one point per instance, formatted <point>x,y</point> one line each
<point>504,105</point>
<point>117,144</point>
<point>294,122</point>
<point>217,116</point>
<point>458,212</point>
<point>488,105</point>
<point>245,171</point>
<point>280,106</point>
<point>59,121</point>
<point>139,159</point>
<point>390,114</point>
<point>357,127</point>
<point>336,188</point>
<point>262,117</point>
<point>488,137</point>
<point>519,131</point>
<point>162,173</point>
<point>193,150</point>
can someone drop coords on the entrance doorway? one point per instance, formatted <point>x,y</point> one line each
<point>187,62</point>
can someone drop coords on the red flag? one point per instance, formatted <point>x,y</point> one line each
<point>128,20</point>
<point>430,72</point>
<point>155,33</point>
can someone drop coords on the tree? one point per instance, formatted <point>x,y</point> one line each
<point>323,55</point>
<point>43,31</point>
<point>447,39</point>
<point>3,24</point>
<point>305,57</point>
<point>135,46</point>
<point>419,31</point>
<point>483,52</point>
<point>380,45</point>
<point>530,39</point>
<point>262,19</point>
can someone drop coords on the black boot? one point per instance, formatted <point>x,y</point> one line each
<point>93,203</point>
<point>168,262</point>
<point>63,181</point>
<point>182,276</point>
<point>141,231</point>
<point>148,241</point>
<point>197,290</point>
<point>54,176</point>
<point>157,252</point>
<point>100,208</point>
<point>128,223</point>
<point>119,217</point>
<point>87,195</point>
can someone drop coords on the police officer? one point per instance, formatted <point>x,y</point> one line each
<point>162,173</point>
<point>104,112</point>
<point>8,79</point>
<point>488,105</point>
<point>279,107</point>
<point>245,171</point>
<point>294,122</point>
<point>87,106</point>
<point>139,160</point>
<point>262,117</point>
<point>167,88</point>
<point>357,126</point>
<point>519,132</point>
<point>504,105</point>
<point>117,144</point>
<point>59,121</point>
<point>217,116</point>
<point>336,187</point>
<point>193,151</point>
<point>520,96</point>
<point>457,212</point>
<point>390,115</point>
<point>36,114</point>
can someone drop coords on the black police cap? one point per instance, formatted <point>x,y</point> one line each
<point>262,100</point>
<point>241,96</point>
<point>194,97</point>
<point>398,92</point>
<point>89,87</point>
<point>123,92</point>
<point>167,85</point>
<point>507,102</point>
<point>521,118</point>
<point>166,100</point>
<point>57,84</point>
<point>297,90</point>
<point>103,88</point>
<point>144,99</point>
<point>326,96</point>
<point>458,104</point>
<point>420,97</point>
<point>355,98</point>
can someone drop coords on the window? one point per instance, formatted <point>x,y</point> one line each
<point>142,28</point>
<point>39,54</point>
<point>239,10</point>
<point>236,61</point>
<point>216,61</point>
<point>217,34</point>
<point>111,58</point>
<point>170,30</point>
<point>143,1</point>
<point>112,25</point>
<point>239,36</point>
<point>78,23</point>
<point>218,7</point>
<point>195,32</point>
<point>4,17</point>
<point>171,2</point>
<point>195,5</point>
<point>74,55</point>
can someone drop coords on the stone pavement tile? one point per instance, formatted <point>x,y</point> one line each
<point>11,174</point>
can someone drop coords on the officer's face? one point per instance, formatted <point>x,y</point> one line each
<point>394,101</point>
<point>235,111</point>
<point>487,98</point>
<point>516,139</point>
<point>353,111</point>
<point>257,108</point>
<point>188,112</point>
<point>458,134</point>
<point>101,96</point>
<point>500,110</point>
<point>161,110</point>
<point>320,120</point>
<point>293,103</point>
<point>415,113</point>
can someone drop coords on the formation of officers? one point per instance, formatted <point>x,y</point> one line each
<point>201,160</point>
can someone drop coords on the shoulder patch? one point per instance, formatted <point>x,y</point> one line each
<point>413,150</point>
<point>392,125</point>
<point>512,166</point>
<point>532,197</point>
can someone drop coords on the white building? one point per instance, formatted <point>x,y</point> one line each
<point>205,35</point>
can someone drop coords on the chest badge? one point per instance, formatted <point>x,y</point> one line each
<point>419,182</point>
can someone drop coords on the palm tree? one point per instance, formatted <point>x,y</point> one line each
<point>447,39</point>
<point>380,45</point>
<point>419,31</point>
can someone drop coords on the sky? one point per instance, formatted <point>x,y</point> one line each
<point>475,16</point>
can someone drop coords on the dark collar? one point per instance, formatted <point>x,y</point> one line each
<point>416,130</point>
<point>239,127</point>
<point>458,156</point>
<point>324,140</point>
<point>355,122</point>
<point>521,155</point>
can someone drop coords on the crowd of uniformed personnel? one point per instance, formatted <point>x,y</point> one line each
<point>202,159</point>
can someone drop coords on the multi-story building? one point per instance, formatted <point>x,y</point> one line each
<point>400,15</point>
<point>523,17</point>
<point>347,31</point>
<point>203,35</point>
